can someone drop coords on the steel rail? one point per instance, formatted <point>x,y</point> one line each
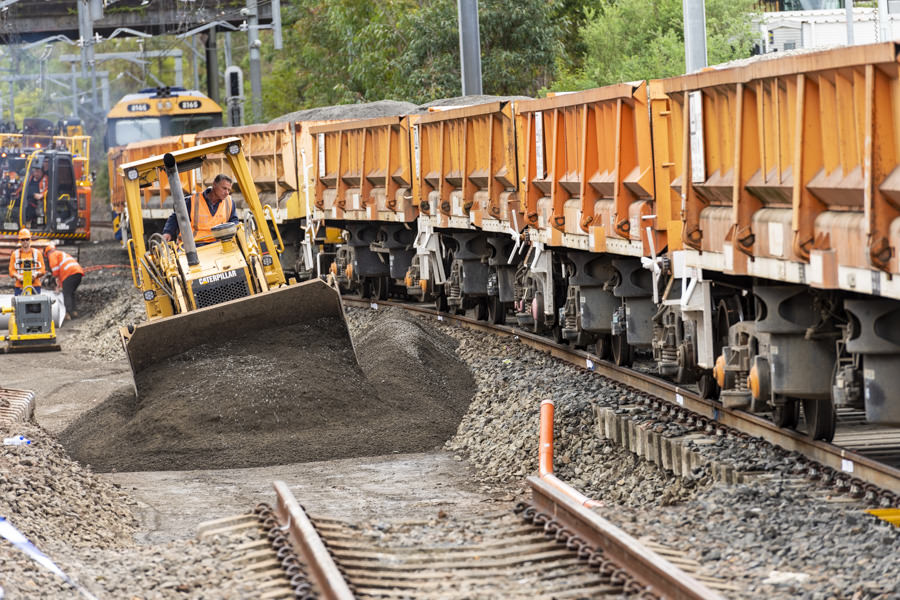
<point>307,543</point>
<point>653,571</point>
<point>851,464</point>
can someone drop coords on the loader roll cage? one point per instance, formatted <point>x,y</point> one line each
<point>145,172</point>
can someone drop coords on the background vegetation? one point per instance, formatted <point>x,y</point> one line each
<point>365,50</point>
<point>342,51</point>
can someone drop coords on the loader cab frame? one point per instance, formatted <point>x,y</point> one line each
<point>142,173</point>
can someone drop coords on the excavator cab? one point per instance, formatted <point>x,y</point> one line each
<point>45,183</point>
<point>57,210</point>
<point>211,293</point>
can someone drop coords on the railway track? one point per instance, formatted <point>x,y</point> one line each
<point>862,460</point>
<point>551,547</point>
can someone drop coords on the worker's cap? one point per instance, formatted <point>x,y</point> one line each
<point>24,234</point>
<point>49,248</point>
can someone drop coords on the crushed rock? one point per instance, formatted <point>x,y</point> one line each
<point>281,396</point>
<point>744,533</point>
<point>85,524</point>
<point>362,110</point>
<point>469,100</point>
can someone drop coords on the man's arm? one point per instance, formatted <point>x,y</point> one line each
<point>41,269</point>
<point>232,218</point>
<point>12,267</point>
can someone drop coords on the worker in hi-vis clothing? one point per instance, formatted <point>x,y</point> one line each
<point>68,274</point>
<point>17,263</point>
<point>216,208</point>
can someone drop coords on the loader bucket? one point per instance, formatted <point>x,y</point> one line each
<point>149,343</point>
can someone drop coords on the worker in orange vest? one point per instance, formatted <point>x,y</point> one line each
<point>215,208</point>
<point>68,274</point>
<point>18,259</point>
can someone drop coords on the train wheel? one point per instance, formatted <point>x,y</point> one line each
<point>707,386</point>
<point>365,288</point>
<point>787,414</point>
<point>496,310</point>
<point>440,302</point>
<point>380,287</point>
<point>537,313</point>
<point>821,419</point>
<point>556,332</point>
<point>481,309</point>
<point>621,351</point>
<point>603,347</point>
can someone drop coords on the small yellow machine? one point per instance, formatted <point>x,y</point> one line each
<point>31,327</point>
<point>211,293</point>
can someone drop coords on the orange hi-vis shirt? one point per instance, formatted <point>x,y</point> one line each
<point>17,264</point>
<point>62,265</point>
<point>202,221</point>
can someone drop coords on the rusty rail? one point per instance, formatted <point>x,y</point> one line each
<point>659,576</point>
<point>307,543</point>
<point>571,510</point>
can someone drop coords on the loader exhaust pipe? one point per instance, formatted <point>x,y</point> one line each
<point>181,213</point>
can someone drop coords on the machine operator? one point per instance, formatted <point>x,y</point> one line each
<point>35,189</point>
<point>216,209</point>
<point>17,263</point>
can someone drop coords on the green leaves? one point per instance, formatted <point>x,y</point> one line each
<point>339,51</point>
<point>627,40</point>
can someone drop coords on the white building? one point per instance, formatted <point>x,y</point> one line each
<point>792,29</point>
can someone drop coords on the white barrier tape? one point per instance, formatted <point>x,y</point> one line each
<point>18,540</point>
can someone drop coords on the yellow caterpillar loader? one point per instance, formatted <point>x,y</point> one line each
<point>212,293</point>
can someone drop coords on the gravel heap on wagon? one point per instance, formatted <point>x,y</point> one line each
<point>386,108</point>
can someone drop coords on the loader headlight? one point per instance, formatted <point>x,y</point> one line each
<point>267,261</point>
<point>233,149</point>
<point>132,174</point>
<point>149,295</point>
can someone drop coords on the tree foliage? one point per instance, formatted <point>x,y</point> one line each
<point>627,40</point>
<point>519,46</point>
<point>339,51</point>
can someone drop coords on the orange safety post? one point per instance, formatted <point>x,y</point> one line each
<point>545,459</point>
<point>545,456</point>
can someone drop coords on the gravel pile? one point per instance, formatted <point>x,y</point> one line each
<point>282,396</point>
<point>364,110</point>
<point>499,432</point>
<point>468,101</point>
<point>386,108</point>
<point>106,302</point>
<point>85,525</point>
<point>776,537</point>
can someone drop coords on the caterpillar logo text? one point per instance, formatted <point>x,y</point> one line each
<point>218,277</point>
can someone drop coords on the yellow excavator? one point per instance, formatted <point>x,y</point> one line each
<point>209,294</point>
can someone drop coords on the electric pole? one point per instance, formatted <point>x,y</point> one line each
<point>694,35</point>
<point>212,66</point>
<point>255,73</point>
<point>849,6</point>
<point>469,46</point>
